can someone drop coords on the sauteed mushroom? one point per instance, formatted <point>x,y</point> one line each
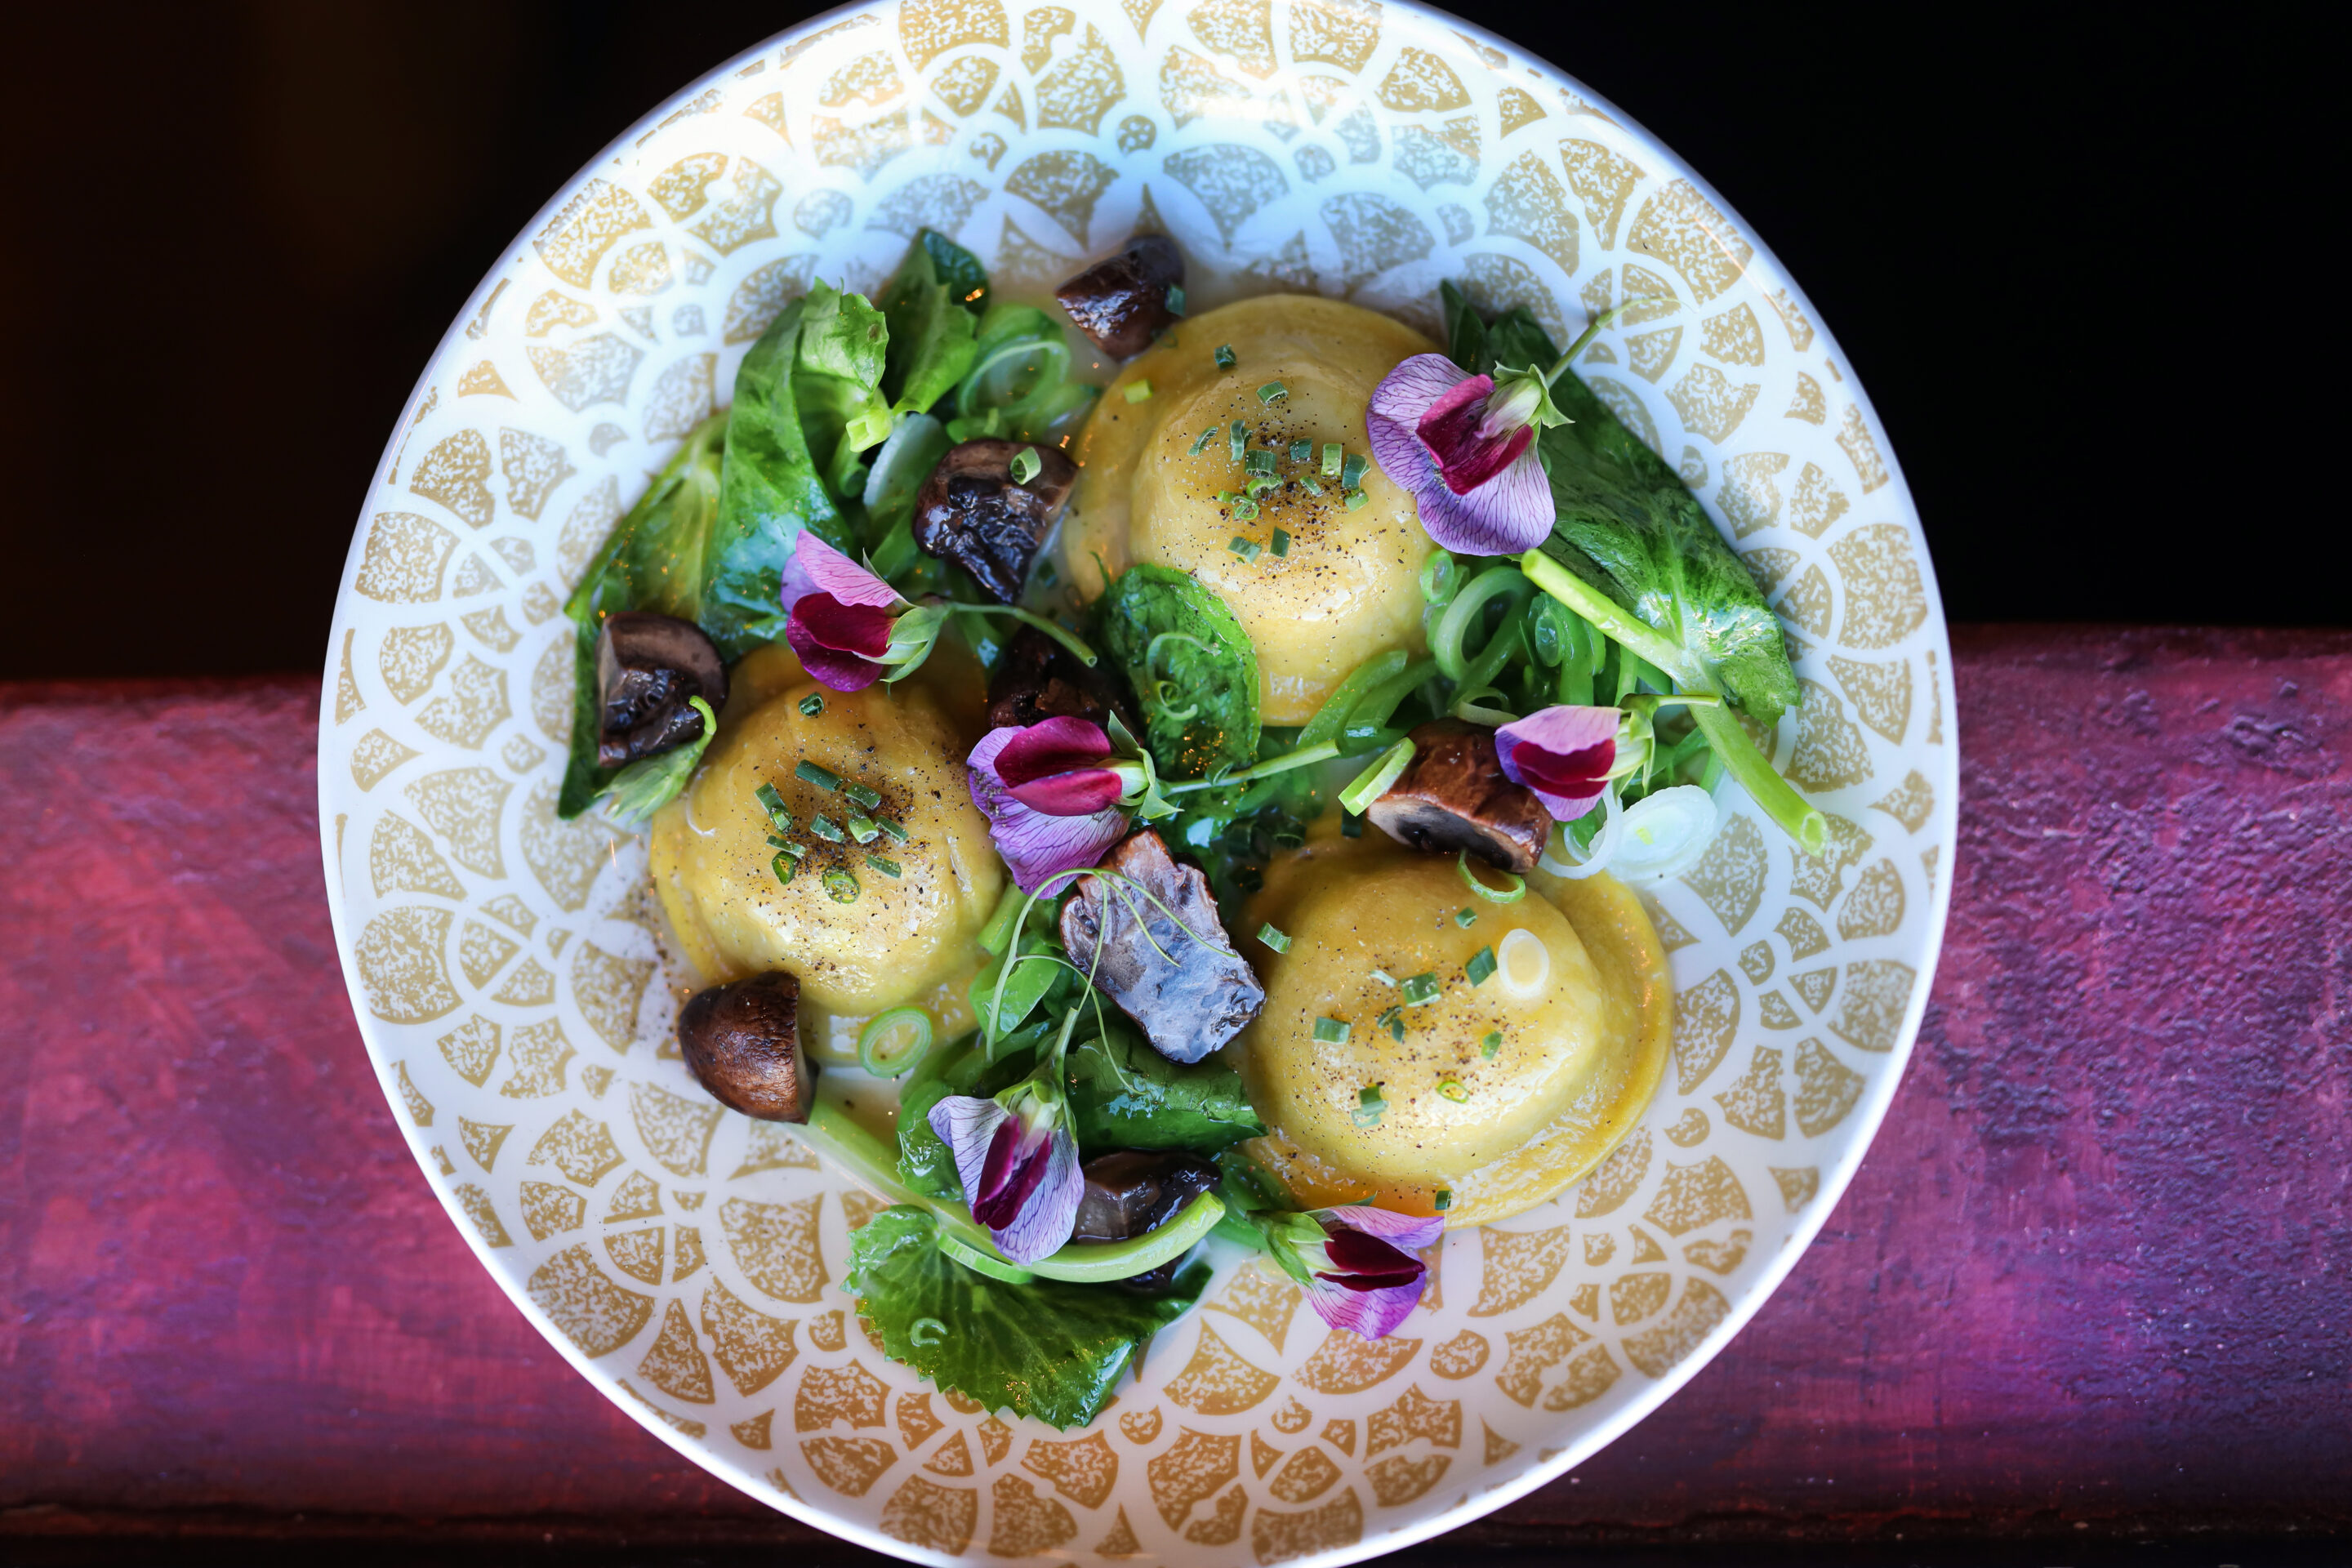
<point>1453,796</point>
<point>1039,679</point>
<point>1121,302</point>
<point>973,511</point>
<point>742,1043</point>
<point>1135,1190</point>
<point>1184,984</point>
<point>649,667</point>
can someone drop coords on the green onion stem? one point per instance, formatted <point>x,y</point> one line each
<point>1469,605</point>
<point>1060,633</point>
<point>1320,751</point>
<point>1798,817</point>
<point>1332,716</point>
<point>1374,781</point>
<point>1605,615</point>
<point>1380,704</point>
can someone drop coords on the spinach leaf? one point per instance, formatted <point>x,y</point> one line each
<point>652,560</point>
<point>1630,527</point>
<point>1125,1095</point>
<point>1046,1348</point>
<point>933,306</point>
<point>1193,669</point>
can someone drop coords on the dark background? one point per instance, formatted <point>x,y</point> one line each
<point>239,231</point>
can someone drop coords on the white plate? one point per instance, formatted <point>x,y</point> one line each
<point>686,1260</point>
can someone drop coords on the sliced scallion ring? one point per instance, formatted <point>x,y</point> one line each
<point>1374,781</point>
<point>1596,858</point>
<point>1665,833</point>
<point>894,1041</point>
<point>1510,895</point>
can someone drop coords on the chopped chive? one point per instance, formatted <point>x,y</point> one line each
<point>1175,298</point>
<point>774,804</point>
<point>892,828</point>
<point>786,844</point>
<point>1452,1091</point>
<point>1491,1043</point>
<point>1312,488</point>
<point>1224,498</point>
<point>1332,452</point>
<point>1244,510</point>
<point>1239,438</point>
<point>1331,1031</point>
<point>1257,460</point>
<point>1273,392</point>
<point>824,828</point>
<point>811,705</point>
<point>1385,978</point>
<point>824,778</point>
<point>1393,1022</point>
<point>1350,824</point>
<point>1420,990</point>
<point>1225,356</point>
<point>783,866</point>
<point>1026,462</point>
<point>887,867</point>
<point>1260,485</point>
<point>1351,472</point>
<point>1272,938</point>
<point>1138,391</point>
<point>1443,1201</point>
<point>1480,967</point>
<point>841,886</point>
<point>1247,549</point>
<point>863,795</point>
<point>1357,499</point>
<point>862,828</point>
<point>1281,542</point>
<point>1301,451</point>
<point>1466,917</point>
<point>1370,1106</point>
<point>1200,442</point>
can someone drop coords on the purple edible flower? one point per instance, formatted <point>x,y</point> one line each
<point>1040,844</point>
<point>1019,1166</point>
<point>839,615</point>
<point>1356,1263</point>
<point>1467,451</point>
<point>1563,753</point>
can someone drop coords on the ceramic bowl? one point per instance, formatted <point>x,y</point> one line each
<point>503,962</point>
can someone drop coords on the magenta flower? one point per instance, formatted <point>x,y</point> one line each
<point>1467,451</point>
<point>1019,1166</point>
<point>1356,1263</point>
<point>1050,807</point>
<point>847,625</point>
<point>1566,755</point>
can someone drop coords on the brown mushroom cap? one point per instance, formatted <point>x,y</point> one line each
<point>1039,679</point>
<point>1121,301</point>
<point>742,1042</point>
<point>648,667</point>
<point>1133,1190</point>
<point>972,512</point>
<point>1185,985</point>
<point>1452,796</point>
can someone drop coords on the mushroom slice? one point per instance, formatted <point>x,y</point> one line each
<point>1184,983</point>
<point>1137,1190</point>
<point>1039,679</point>
<point>973,512</point>
<point>1121,302</point>
<point>648,669</point>
<point>742,1042</point>
<point>1453,796</point>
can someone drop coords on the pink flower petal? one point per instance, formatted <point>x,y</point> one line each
<point>1022,1183</point>
<point>1507,514</point>
<point>861,629</point>
<point>1056,745</point>
<point>968,1126</point>
<point>1563,753</point>
<point>1406,392</point>
<point>1036,845</point>
<point>1052,1187</point>
<point>1454,431</point>
<point>816,567</point>
<point>830,666</point>
<point>1079,793</point>
<point>1406,1232</point>
<point>1371,1314</point>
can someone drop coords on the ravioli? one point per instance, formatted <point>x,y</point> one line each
<point>1506,1086</point>
<point>1347,585</point>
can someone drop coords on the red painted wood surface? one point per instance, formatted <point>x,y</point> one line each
<point>2093,1272</point>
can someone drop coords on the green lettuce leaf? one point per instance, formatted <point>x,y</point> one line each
<point>1630,527</point>
<point>652,560</point>
<point>933,306</point>
<point>1046,1348</point>
<point>1125,1095</point>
